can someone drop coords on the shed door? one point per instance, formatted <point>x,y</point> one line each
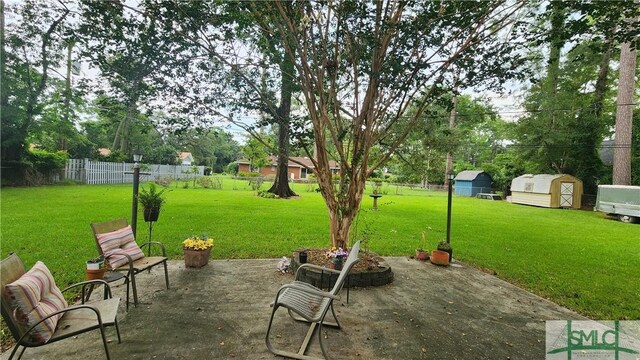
<point>566,194</point>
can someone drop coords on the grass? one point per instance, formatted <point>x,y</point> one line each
<point>578,259</point>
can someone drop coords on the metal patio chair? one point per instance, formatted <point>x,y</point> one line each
<point>307,303</point>
<point>76,319</point>
<point>132,266</point>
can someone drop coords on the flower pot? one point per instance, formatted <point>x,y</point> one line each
<point>151,214</point>
<point>302,256</point>
<point>422,255</point>
<point>196,258</point>
<point>336,263</point>
<point>95,274</point>
<point>439,257</point>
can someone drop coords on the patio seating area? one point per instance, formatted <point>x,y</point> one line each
<point>221,311</point>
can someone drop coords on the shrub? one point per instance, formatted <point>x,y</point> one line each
<point>164,181</point>
<point>248,174</point>
<point>205,181</point>
<point>267,195</point>
<point>47,163</point>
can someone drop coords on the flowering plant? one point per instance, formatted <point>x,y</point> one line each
<point>337,253</point>
<point>197,243</point>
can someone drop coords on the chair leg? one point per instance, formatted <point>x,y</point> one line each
<point>303,348</point>
<point>15,348</point>
<point>166,274</point>
<point>104,341</point>
<point>127,283</point>
<point>118,331</point>
<point>135,291</point>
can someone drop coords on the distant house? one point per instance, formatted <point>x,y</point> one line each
<point>472,182</point>
<point>295,170</point>
<point>185,158</point>
<point>104,152</point>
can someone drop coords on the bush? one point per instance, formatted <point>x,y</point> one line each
<point>248,174</point>
<point>232,168</point>
<point>47,163</point>
<point>267,195</point>
<point>164,181</point>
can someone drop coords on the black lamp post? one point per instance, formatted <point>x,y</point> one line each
<point>137,157</point>
<point>450,177</point>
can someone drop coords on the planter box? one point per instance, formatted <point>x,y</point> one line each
<point>196,258</point>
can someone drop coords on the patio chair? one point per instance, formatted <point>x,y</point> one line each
<point>306,303</point>
<point>115,241</point>
<point>37,314</point>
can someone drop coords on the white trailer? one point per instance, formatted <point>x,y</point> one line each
<point>622,201</point>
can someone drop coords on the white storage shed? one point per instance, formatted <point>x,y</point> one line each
<point>545,190</point>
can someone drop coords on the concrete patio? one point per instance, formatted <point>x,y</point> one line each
<point>221,312</point>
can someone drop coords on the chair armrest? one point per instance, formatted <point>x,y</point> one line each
<point>307,290</point>
<point>149,243</point>
<point>321,268</point>
<point>70,308</point>
<point>90,282</point>
<point>129,260</point>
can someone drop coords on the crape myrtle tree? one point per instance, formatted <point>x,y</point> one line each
<point>361,67</point>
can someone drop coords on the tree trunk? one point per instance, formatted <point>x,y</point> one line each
<point>280,186</point>
<point>624,116</point>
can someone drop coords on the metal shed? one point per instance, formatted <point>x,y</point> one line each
<point>472,182</point>
<point>545,190</point>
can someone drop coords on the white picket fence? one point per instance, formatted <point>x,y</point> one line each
<point>100,172</point>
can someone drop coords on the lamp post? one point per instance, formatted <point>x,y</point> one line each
<point>450,177</point>
<point>137,157</point>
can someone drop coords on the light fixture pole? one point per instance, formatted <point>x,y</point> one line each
<point>137,157</point>
<point>450,177</point>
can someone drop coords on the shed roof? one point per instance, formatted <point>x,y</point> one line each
<point>541,182</point>
<point>468,175</point>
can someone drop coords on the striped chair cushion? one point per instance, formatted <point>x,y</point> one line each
<point>34,296</point>
<point>117,243</point>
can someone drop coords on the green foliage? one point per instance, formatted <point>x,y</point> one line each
<point>245,174</point>
<point>267,195</point>
<point>47,163</point>
<point>151,198</point>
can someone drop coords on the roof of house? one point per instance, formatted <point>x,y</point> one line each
<point>305,161</point>
<point>468,175</point>
<point>184,155</point>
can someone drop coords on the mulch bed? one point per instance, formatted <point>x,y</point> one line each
<point>368,260</point>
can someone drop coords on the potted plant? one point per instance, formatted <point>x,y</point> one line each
<point>422,253</point>
<point>196,251</point>
<point>95,268</point>
<point>336,257</point>
<point>446,247</point>
<point>151,201</point>
<point>440,256</point>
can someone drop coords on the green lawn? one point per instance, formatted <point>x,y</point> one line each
<point>578,259</point>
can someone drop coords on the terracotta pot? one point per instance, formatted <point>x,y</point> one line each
<point>439,257</point>
<point>196,258</point>
<point>151,214</point>
<point>95,274</point>
<point>422,255</point>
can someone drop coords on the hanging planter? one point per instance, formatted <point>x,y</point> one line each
<point>151,201</point>
<point>151,213</point>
